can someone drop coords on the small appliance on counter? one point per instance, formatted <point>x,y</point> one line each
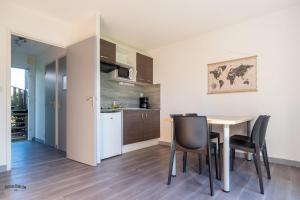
<point>144,102</point>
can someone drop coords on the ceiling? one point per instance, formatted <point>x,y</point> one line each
<point>149,24</point>
<point>30,47</point>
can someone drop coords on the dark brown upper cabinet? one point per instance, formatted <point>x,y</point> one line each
<point>107,52</point>
<point>144,67</point>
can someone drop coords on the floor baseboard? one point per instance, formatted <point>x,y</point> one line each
<point>286,162</point>
<point>139,145</point>
<point>163,143</point>
<point>38,140</point>
<point>290,163</point>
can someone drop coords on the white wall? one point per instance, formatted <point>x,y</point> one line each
<point>34,25</point>
<point>40,102</point>
<point>181,69</point>
<point>19,60</point>
<point>31,100</point>
<point>31,24</point>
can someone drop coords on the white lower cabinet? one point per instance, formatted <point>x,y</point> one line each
<point>111,128</point>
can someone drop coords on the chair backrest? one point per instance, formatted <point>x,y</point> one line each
<point>256,128</point>
<point>191,114</point>
<point>191,132</point>
<point>255,133</point>
<point>263,130</point>
<point>175,115</point>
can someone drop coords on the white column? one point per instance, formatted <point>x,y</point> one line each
<point>226,159</point>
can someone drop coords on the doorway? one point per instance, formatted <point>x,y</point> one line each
<point>37,106</point>
<point>19,104</point>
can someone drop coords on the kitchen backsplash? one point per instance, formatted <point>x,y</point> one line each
<point>127,96</point>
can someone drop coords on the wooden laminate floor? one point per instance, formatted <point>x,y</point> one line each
<point>29,153</point>
<point>142,175</point>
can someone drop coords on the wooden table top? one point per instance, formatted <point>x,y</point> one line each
<point>222,119</point>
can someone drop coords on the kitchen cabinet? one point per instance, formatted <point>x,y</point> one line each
<point>151,124</point>
<point>140,125</point>
<point>132,127</point>
<point>144,66</point>
<point>107,52</point>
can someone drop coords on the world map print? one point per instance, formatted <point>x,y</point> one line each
<point>237,75</point>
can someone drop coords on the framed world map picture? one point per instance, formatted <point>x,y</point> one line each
<point>237,75</point>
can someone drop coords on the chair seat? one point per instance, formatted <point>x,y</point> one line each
<point>242,145</point>
<point>197,150</point>
<point>214,135</point>
<point>241,137</point>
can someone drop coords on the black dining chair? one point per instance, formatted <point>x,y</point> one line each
<point>191,135</point>
<point>254,144</point>
<point>213,134</point>
<point>214,146</point>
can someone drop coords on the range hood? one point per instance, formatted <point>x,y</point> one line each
<point>124,58</point>
<point>107,67</point>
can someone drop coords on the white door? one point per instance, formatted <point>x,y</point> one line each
<point>82,116</point>
<point>50,87</point>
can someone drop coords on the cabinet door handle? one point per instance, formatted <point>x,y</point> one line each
<point>146,115</point>
<point>104,57</point>
<point>142,115</point>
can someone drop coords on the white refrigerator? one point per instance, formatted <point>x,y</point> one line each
<point>111,128</point>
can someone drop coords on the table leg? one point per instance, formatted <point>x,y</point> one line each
<point>174,166</point>
<point>249,155</point>
<point>174,161</point>
<point>226,159</point>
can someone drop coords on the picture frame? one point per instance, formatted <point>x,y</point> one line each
<point>236,75</point>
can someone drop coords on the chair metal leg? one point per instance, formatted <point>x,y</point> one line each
<point>209,127</point>
<point>210,174</point>
<point>257,158</point>
<point>232,152</point>
<point>220,164</point>
<point>172,154</point>
<point>184,161</point>
<point>216,163</point>
<point>206,159</point>
<point>200,163</point>
<point>219,149</point>
<point>255,163</point>
<point>266,160</point>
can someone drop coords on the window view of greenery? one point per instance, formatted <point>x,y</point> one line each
<point>19,108</point>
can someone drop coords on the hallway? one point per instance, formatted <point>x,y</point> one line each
<point>30,153</point>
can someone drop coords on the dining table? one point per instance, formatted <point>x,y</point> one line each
<point>226,122</point>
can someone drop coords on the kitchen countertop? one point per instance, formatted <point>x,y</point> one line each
<point>110,110</point>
